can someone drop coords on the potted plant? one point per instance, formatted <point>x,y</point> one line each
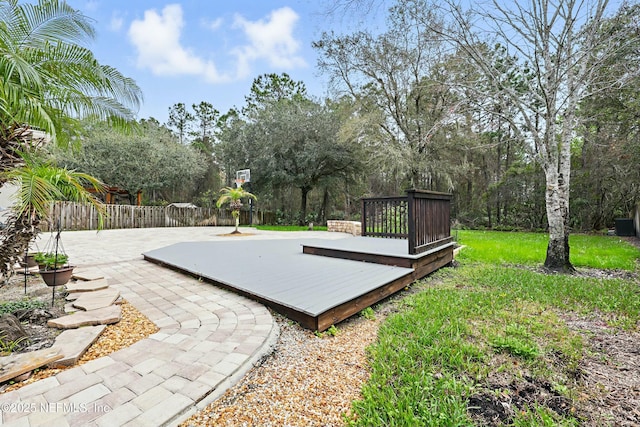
<point>54,269</point>
<point>39,257</point>
<point>29,260</point>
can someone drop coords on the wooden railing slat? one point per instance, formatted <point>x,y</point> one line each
<point>422,217</point>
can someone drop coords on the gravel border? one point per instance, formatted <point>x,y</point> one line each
<point>308,380</point>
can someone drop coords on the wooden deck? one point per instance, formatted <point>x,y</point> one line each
<point>290,277</point>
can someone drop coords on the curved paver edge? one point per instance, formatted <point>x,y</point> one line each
<point>266,349</point>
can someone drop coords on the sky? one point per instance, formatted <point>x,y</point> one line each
<point>206,50</point>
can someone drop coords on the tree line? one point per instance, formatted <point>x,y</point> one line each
<point>410,113</point>
<point>526,113</point>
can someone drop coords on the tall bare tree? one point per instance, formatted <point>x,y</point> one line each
<point>401,73</point>
<point>560,46</point>
<point>181,120</point>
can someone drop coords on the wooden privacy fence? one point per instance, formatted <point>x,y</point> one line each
<point>78,216</point>
<point>422,217</point>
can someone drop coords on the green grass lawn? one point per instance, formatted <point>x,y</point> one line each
<point>498,247</point>
<point>491,327</point>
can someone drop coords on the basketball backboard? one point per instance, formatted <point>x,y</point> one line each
<point>243,176</point>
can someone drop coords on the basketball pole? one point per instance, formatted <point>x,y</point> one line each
<point>241,175</point>
<point>250,205</point>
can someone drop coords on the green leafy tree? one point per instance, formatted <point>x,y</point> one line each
<point>269,88</point>
<point>233,197</point>
<point>293,145</point>
<point>231,151</point>
<point>297,143</point>
<point>207,125</point>
<point>151,161</point>
<point>205,136</point>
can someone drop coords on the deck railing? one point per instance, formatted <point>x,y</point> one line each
<point>422,217</point>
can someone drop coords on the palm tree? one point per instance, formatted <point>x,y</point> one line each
<point>39,184</point>
<point>49,80</point>
<point>234,197</point>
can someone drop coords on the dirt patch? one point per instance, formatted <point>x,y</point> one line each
<point>606,382</point>
<point>592,273</point>
<point>610,374</point>
<point>37,300</point>
<point>506,395</point>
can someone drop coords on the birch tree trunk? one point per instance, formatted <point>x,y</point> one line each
<point>557,204</point>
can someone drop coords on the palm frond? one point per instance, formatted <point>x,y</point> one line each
<point>41,184</point>
<point>48,75</point>
<point>34,193</point>
<point>230,194</point>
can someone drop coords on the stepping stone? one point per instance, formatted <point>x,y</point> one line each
<point>87,275</point>
<point>102,316</point>
<point>97,299</point>
<point>30,271</point>
<point>69,308</point>
<point>87,286</point>
<point>73,343</point>
<point>17,364</point>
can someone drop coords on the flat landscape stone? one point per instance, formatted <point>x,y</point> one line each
<point>73,343</point>
<point>87,285</point>
<point>102,316</point>
<point>17,364</point>
<point>87,275</point>
<point>96,299</point>
<point>72,297</point>
<point>69,308</point>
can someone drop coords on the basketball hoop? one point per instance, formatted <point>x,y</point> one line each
<point>243,176</point>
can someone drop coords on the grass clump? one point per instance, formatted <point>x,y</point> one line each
<point>25,304</point>
<point>493,317</point>
<point>368,313</point>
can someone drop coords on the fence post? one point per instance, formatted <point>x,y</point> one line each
<point>363,223</point>
<point>411,219</point>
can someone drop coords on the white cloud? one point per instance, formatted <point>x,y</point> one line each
<point>157,40</point>
<point>270,39</point>
<point>91,5</point>
<point>213,25</point>
<point>116,22</point>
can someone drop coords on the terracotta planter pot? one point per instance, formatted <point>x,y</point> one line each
<point>29,260</point>
<point>59,276</point>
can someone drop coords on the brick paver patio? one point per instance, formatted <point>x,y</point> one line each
<point>208,339</point>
